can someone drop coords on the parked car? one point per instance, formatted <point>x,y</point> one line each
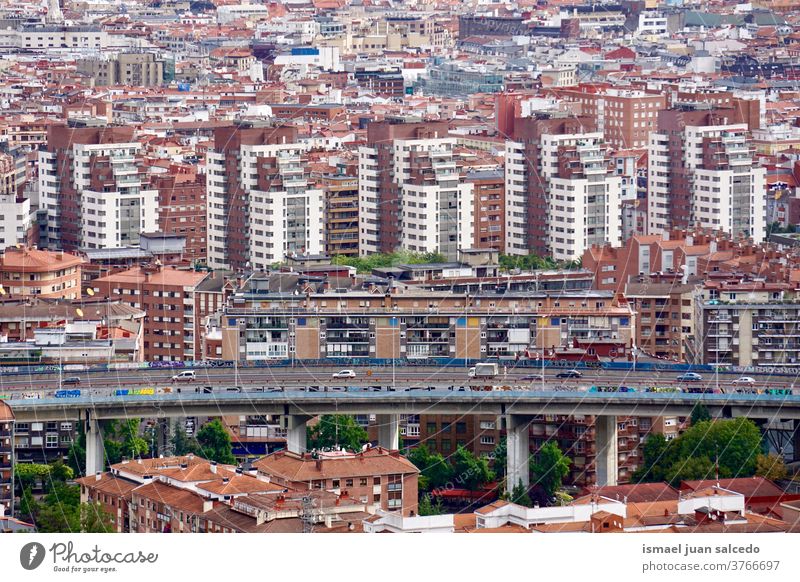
<point>569,374</point>
<point>532,378</point>
<point>73,380</point>
<point>746,380</point>
<point>344,374</point>
<point>690,377</point>
<point>185,376</point>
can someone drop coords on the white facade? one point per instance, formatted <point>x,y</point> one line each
<point>62,37</point>
<point>731,199</point>
<point>15,220</point>
<point>516,199</point>
<point>286,219</point>
<point>582,209</point>
<point>109,219</point>
<point>436,214</point>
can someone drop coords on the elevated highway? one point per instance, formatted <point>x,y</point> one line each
<point>516,408</point>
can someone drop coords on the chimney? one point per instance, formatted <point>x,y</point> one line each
<point>208,505</point>
<point>213,467</point>
<point>226,480</point>
<point>98,476</point>
<point>183,465</point>
<point>319,464</point>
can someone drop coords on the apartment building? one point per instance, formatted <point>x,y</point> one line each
<point>341,214</point>
<point>479,433</point>
<point>7,459</point>
<point>376,476</point>
<point>167,296</point>
<point>135,69</point>
<point>682,255</point>
<point>261,206</point>
<point>664,322</point>
<point>562,195</point>
<point>489,208</point>
<point>17,218</point>
<point>410,193</point>
<point>747,323</point>
<point>30,271</point>
<point>43,442</point>
<point>182,210</point>
<point>94,187</point>
<point>625,117</point>
<point>701,171</point>
<point>419,324</point>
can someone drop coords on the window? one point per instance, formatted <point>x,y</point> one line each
<point>461,427</point>
<point>487,440</point>
<point>52,441</point>
<point>363,482</point>
<point>335,484</point>
<point>376,480</point>
<point>348,483</point>
<point>431,427</point>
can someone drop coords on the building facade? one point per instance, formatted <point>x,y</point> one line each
<point>94,187</point>
<point>261,207</point>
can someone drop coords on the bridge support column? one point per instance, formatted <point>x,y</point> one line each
<point>796,441</point>
<point>518,451</point>
<point>388,431</point>
<point>95,451</point>
<point>605,437</point>
<point>296,433</point>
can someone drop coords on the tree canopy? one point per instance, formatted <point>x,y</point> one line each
<point>215,443</point>
<point>771,467</point>
<point>400,257</point>
<point>470,471</point>
<point>550,468</point>
<point>334,430</point>
<point>730,447</point>
<point>435,471</point>
<point>534,262</point>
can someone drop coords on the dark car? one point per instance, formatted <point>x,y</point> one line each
<point>532,378</point>
<point>569,374</point>
<point>73,380</point>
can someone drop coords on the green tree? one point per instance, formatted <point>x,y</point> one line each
<point>735,443</point>
<point>520,495</point>
<point>470,471</point>
<point>183,444</point>
<point>550,468</point>
<point>700,413</point>
<point>133,446</point>
<point>435,472</point>
<point>771,467</point>
<point>76,456</point>
<point>690,468</point>
<point>215,443</point>
<point>95,519</point>
<point>28,506</point>
<point>378,260</point>
<point>655,459</point>
<point>500,458</point>
<point>31,475</point>
<point>334,430</point>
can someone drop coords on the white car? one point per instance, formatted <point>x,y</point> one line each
<point>344,374</point>
<point>185,376</point>
<point>745,380</point>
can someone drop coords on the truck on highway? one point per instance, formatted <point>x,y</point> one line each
<point>484,371</point>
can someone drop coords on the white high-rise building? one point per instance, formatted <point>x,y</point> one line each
<point>561,184</point>
<point>411,195</point>
<point>96,195</point>
<point>272,195</point>
<point>705,174</point>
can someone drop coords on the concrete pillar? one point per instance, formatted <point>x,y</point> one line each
<point>388,431</point>
<point>518,451</point>
<point>163,437</point>
<point>296,433</point>
<point>796,441</point>
<point>605,439</point>
<point>95,451</point>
